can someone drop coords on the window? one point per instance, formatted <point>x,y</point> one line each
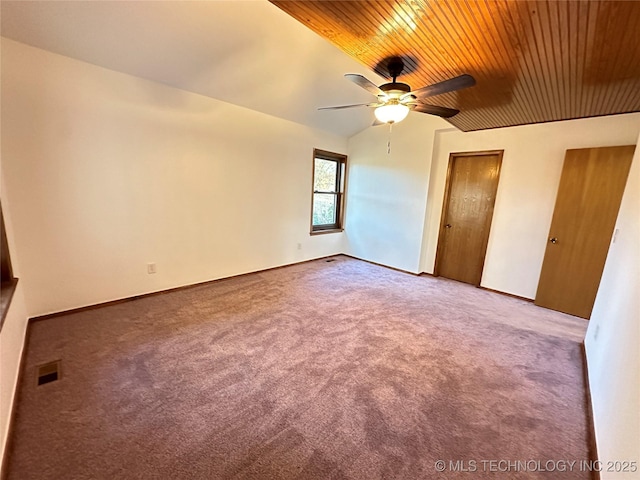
<point>327,210</point>
<point>6,274</point>
<point>7,282</point>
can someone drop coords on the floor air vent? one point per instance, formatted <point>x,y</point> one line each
<point>331,260</point>
<point>49,372</point>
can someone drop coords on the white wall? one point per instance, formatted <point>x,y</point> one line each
<point>387,193</point>
<point>613,338</point>
<point>107,172</point>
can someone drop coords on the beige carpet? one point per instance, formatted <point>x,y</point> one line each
<point>323,370</point>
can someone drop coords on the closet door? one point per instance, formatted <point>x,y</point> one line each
<point>589,196</point>
<point>472,182</point>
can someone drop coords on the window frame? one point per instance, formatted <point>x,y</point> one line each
<point>341,187</point>
<point>8,282</point>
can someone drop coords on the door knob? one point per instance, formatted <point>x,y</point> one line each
<point>448,225</point>
<point>553,240</point>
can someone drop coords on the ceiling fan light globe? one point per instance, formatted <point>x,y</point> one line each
<point>391,113</point>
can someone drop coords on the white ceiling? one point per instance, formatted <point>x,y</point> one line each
<point>249,53</point>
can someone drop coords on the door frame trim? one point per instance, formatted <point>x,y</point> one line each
<point>445,205</point>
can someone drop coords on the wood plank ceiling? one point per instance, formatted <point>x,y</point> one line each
<point>534,61</point>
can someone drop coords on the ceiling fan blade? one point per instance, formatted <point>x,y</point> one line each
<point>435,110</point>
<point>361,81</point>
<point>457,83</point>
<point>340,107</point>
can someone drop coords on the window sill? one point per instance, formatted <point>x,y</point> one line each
<point>322,232</point>
<point>7,290</point>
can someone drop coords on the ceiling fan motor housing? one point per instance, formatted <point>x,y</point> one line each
<point>394,89</point>
<point>395,86</point>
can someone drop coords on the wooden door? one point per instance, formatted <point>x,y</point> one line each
<point>589,196</point>
<point>472,182</point>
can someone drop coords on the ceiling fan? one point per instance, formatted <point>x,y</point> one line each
<point>395,99</point>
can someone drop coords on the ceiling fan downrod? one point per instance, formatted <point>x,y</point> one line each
<point>395,67</point>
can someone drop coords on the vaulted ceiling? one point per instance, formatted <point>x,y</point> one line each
<point>534,61</point>
<point>249,53</point>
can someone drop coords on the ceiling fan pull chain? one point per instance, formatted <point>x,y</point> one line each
<point>389,140</point>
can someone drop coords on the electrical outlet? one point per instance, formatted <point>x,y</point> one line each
<point>151,268</point>
<point>299,246</point>
<point>596,332</point>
